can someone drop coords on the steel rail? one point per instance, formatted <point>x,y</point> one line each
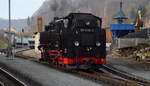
<point>1,84</point>
<point>105,78</point>
<point>12,78</point>
<point>108,79</point>
<point>127,76</point>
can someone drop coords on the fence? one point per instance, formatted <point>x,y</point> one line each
<point>129,42</point>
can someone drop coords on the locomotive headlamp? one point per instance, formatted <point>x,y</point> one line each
<point>76,43</point>
<point>98,23</point>
<point>87,23</point>
<point>65,50</point>
<point>56,45</point>
<point>98,44</point>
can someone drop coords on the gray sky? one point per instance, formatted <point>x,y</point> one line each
<point>19,8</point>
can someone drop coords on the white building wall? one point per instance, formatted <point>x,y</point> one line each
<point>37,42</point>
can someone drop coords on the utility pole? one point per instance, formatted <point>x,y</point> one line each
<point>13,45</point>
<point>22,31</point>
<point>9,41</point>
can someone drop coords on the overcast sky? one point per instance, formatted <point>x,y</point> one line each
<point>19,8</point>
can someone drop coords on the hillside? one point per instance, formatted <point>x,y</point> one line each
<point>103,8</point>
<point>18,24</point>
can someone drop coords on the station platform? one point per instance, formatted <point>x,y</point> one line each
<point>35,74</point>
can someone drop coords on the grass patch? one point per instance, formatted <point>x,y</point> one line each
<point>3,46</point>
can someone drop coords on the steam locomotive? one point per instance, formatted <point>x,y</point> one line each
<point>75,41</point>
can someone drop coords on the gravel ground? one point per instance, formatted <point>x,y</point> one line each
<point>44,75</point>
<point>141,69</point>
<point>144,74</point>
<point>129,65</point>
<point>31,53</point>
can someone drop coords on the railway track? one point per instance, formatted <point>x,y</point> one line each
<point>124,79</point>
<point>1,84</point>
<point>106,78</point>
<point>99,76</point>
<point>127,76</point>
<point>96,76</point>
<point>21,50</point>
<point>12,79</point>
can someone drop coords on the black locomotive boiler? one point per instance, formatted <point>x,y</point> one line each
<point>74,41</point>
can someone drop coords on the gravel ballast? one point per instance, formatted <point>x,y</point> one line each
<point>42,75</point>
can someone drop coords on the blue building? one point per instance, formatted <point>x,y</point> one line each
<point>120,30</point>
